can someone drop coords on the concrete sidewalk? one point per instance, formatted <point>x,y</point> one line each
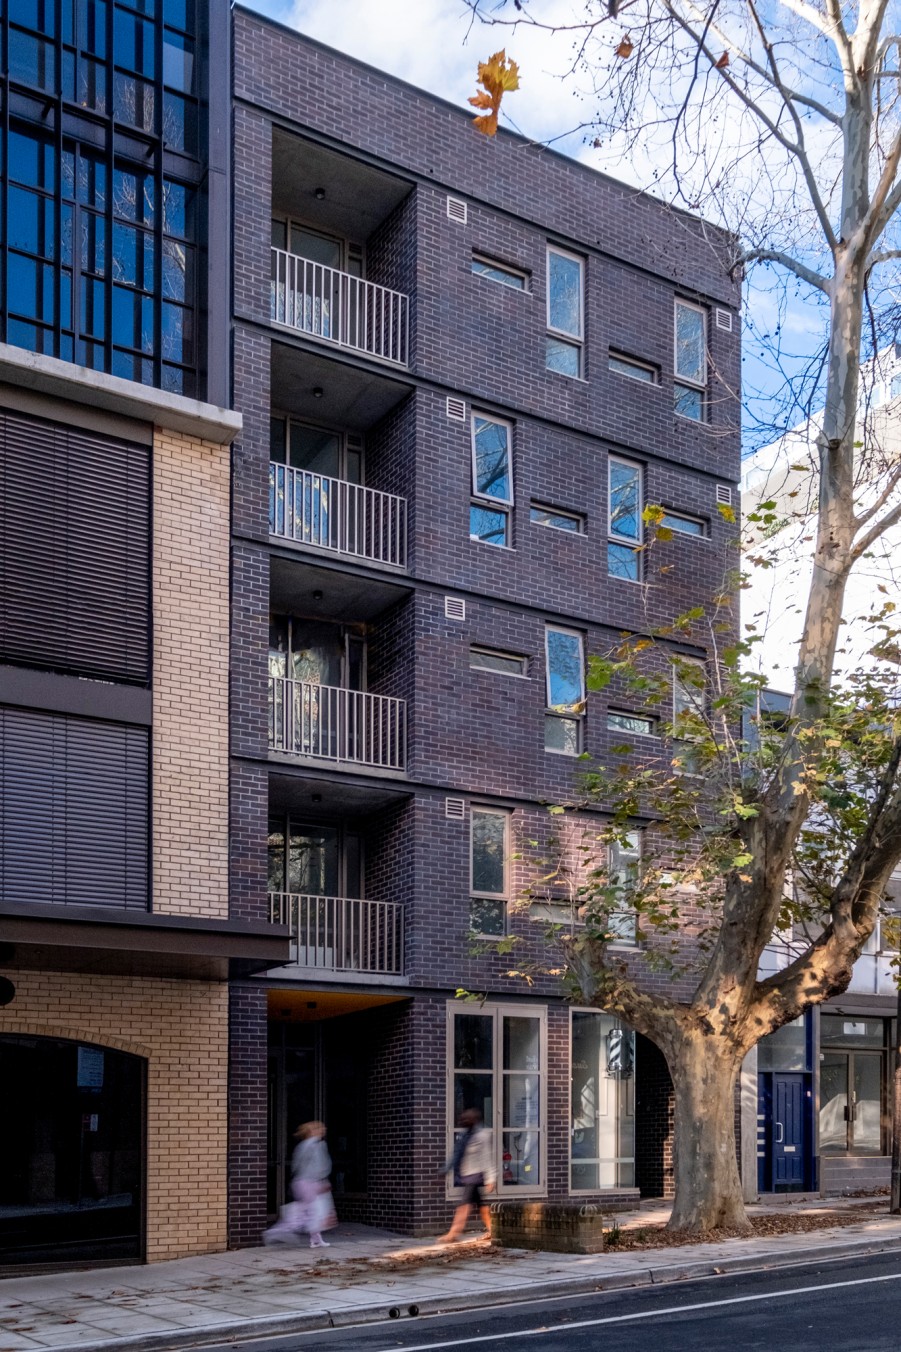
<point>363,1277</point>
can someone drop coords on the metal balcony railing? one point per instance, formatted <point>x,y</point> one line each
<point>314,509</point>
<point>340,308</point>
<point>336,724</point>
<point>340,934</point>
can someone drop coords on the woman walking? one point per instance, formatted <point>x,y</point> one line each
<point>310,1170</point>
<point>473,1167</point>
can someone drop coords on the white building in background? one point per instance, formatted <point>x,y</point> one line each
<point>815,1094</point>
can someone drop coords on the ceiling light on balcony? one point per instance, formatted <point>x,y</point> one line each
<point>317,595</point>
<point>318,391</point>
<point>319,194</point>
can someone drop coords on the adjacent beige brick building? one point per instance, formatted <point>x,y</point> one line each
<point>190,675</point>
<point>180,1028</point>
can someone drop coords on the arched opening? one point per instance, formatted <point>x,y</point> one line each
<point>72,1142</point>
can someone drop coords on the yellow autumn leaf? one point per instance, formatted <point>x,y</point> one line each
<point>497,76</point>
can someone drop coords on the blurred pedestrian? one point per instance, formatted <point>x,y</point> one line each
<point>311,1167</point>
<point>474,1170</point>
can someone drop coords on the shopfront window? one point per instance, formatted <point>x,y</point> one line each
<point>73,1152</point>
<point>497,1066</point>
<point>602,1123</point>
<point>853,1069</point>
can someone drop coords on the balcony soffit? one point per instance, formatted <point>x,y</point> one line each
<point>349,399</point>
<point>357,197</point>
<point>319,592</point>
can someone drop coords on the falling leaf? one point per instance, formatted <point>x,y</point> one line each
<point>625,48</point>
<point>497,76</point>
<point>723,61</point>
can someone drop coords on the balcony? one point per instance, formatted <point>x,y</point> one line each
<point>340,934</point>
<point>332,723</point>
<point>340,308</point>
<point>327,513</point>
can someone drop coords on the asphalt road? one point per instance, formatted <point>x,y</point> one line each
<point>850,1306</point>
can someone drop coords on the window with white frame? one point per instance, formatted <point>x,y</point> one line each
<point>492,481</point>
<point>565,668</point>
<point>689,712</point>
<point>565,311</point>
<point>500,273</point>
<point>556,519</point>
<point>621,720</point>
<point>489,887</point>
<point>492,659</point>
<point>624,520</point>
<point>602,1095</point>
<point>690,364</point>
<point>684,525</point>
<point>497,1064</point>
<point>633,368</point>
<point>623,870</point>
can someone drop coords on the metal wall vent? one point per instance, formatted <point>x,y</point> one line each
<point>454,608</point>
<point>724,494</point>
<point>724,320</point>
<point>456,210</point>
<point>455,809</point>
<point>456,408</point>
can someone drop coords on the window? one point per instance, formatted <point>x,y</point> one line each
<point>639,724</point>
<point>497,272</point>
<point>624,520</point>
<point>505,664</point>
<point>602,1124</point>
<point>492,481</point>
<point>623,868</point>
<point>690,360</point>
<point>684,525</point>
<point>573,522</point>
<point>636,370</point>
<point>689,712</point>
<point>497,1064</point>
<point>564,312</point>
<point>488,871</point>
<point>565,691</point>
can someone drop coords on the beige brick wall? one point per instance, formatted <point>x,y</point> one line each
<point>181,1027</point>
<point>190,675</point>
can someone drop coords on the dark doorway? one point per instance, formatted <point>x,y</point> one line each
<point>72,1146</point>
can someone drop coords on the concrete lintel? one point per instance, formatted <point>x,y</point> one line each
<point>80,385</point>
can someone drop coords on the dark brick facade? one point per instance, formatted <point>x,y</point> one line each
<point>473,734</point>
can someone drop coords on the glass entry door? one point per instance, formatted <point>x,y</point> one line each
<point>851,1103</point>
<point>72,1151</point>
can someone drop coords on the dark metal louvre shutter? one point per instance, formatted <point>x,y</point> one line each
<point>74,803</point>
<point>74,550</point>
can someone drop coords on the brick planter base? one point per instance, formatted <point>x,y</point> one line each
<point>557,1227</point>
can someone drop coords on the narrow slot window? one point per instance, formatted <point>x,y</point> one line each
<point>641,725</point>
<point>573,522</point>
<point>635,370</point>
<point>684,525</point>
<point>504,664</point>
<point>497,272</point>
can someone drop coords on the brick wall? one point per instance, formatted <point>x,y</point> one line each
<point>190,675</point>
<point>180,1027</point>
<point>247,1114</point>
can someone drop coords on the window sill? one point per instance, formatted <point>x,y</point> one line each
<point>476,540</point>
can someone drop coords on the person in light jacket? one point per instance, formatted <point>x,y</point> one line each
<point>311,1166</point>
<point>474,1168</point>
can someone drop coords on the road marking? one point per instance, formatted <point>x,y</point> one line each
<point>643,1314</point>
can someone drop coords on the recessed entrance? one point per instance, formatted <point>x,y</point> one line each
<point>72,1146</point>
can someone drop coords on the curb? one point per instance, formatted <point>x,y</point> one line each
<point>274,1326</point>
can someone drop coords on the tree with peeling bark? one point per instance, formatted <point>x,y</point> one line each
<point>780,119</point>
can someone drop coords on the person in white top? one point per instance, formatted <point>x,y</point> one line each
<point>474,1169</point>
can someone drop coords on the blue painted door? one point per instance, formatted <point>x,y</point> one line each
<point>788,1138</point>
